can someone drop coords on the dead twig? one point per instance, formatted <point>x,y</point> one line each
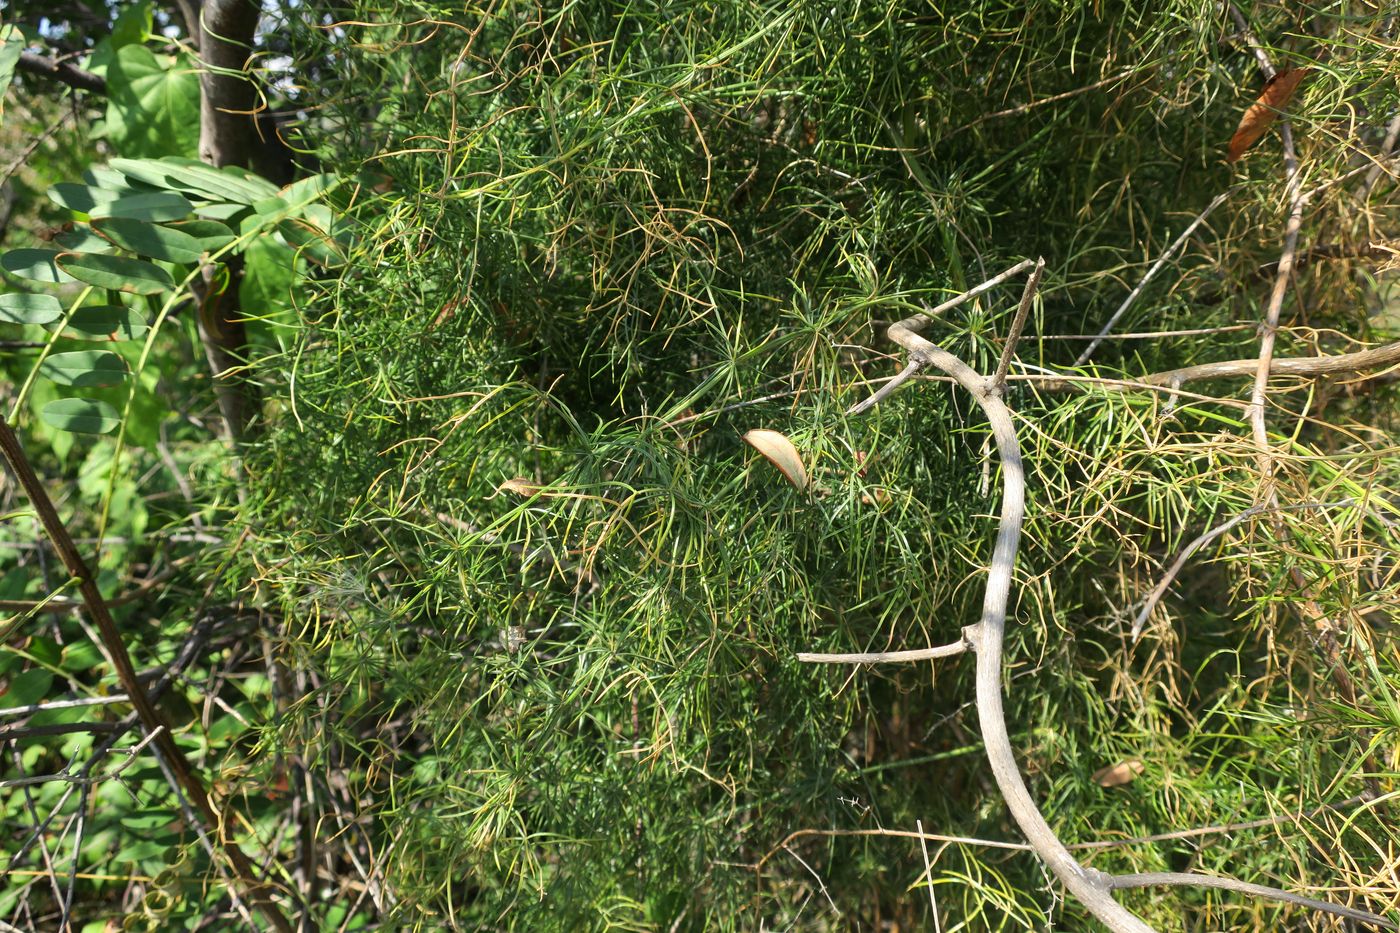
<point>1342,364</point>
<point>1086,884</point>
<point>887,657</point>
<point>1194,880</point>
<point>1156,267</point>
<point>82,778</point>
<point>928,875</point>
<point>1013,336</point>
<point>1161,588</point>
<point>820,883</point>
<point>1193,833</point>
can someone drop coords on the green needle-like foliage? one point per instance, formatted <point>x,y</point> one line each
<point>532,605</point>
<point>550,599</point>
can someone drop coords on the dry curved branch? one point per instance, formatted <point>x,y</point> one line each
<point>1193,880</point>
<point>1087,884</point>
<point>1091,887</point>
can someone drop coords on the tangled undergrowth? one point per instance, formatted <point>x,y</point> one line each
<point>547,602</point>
<point>535,606</point>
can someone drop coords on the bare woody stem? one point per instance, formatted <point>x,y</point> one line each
<point>63,72</point>
<point>1088,885</point>
<point>1017,325</point>
<point>1194,880</point>
<point>888,657</point>
<point>257,891</point>
<point>1341,364</point>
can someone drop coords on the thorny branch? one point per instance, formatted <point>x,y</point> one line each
<point>1092,887</point>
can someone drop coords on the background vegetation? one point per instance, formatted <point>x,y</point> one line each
<point>489,620</point>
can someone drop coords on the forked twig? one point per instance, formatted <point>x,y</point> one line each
<point>919,321</point>
<point>1193,833</point>
<point>820,883</point>
<point>1017,325</point>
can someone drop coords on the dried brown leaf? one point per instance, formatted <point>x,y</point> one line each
<point>1119,774</point>
<point>781,453</point>
<point>1264,111</point>
<point>520,486</point>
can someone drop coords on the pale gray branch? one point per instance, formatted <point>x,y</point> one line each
<point>1092,887</point>
<point>1017,325</point>
<point>1088,885</point>
<point>1156,267</point>
<point>908,372</point>
<point>82,778</point>
<point>1161,588</point>
<point>1190,879</point>
<point>14,711</point>
<point>886,657</point>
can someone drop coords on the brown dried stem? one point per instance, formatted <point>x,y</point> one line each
<point>170,754</point>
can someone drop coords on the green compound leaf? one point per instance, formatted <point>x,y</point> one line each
<point>24,308</point>
<point>222,210</point>
<point>309,189</point>
<point>212,235</point>
<point>129,275</point>
<point>81,416</point>
<point>85,368</point>
<point>153,103</point>
<point>105,322</point>
<point>196,178</point>
<point>81,239</point>
<point>35,264</point>
<point>100,176</point>
<point>100,202</point>
<point>150,240</point>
